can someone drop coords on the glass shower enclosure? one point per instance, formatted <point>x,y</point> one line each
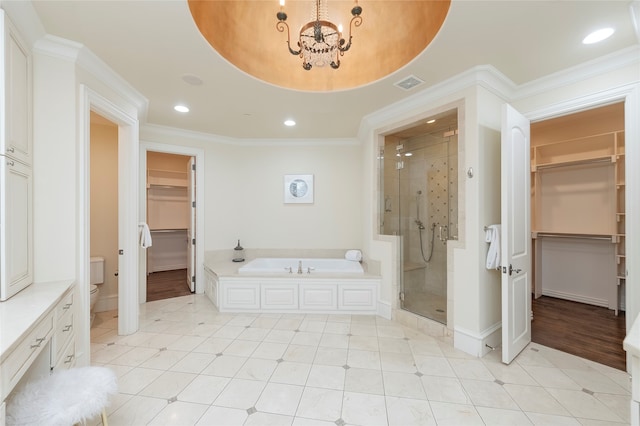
<point>419,181</point>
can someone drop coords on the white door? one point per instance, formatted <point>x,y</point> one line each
<point>516,234</point>
<point>191,231</point>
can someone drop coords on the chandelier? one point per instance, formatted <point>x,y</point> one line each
<point>320,42</point>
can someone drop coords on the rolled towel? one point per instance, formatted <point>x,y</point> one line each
<point>353,255</point>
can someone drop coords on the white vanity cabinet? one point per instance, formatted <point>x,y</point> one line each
<point>63,348</point>
<point>16,175</point>
<point>37,329</point>
<point>16,227</point>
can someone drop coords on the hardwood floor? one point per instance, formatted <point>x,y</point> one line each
<point>588,331</point>
<point>167,284</point>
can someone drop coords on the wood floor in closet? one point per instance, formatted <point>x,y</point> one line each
<point>588,331</point>
<point>167,284</point>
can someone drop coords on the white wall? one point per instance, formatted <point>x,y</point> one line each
<point>244,192</point>
<point>55,169</point>
<point>61,177</point>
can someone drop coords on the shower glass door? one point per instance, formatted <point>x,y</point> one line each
<point>421,206</point>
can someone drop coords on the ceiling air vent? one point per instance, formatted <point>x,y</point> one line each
<point>409,82</point>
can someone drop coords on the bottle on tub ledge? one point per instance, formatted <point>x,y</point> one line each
<point>238,253</point>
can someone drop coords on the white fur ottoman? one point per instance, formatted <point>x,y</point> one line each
<point>64,398</point>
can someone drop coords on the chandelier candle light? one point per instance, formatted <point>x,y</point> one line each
<point>320,41</point>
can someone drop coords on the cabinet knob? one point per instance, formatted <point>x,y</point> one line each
<point>10,163</point>
<point>11,149</point>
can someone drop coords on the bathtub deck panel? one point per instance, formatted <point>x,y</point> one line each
<point>361,296</point>
<point>284,292</point>
<point>315,297</point>
<point>278,296</point>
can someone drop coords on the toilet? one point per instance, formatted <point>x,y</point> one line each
<point>96,279</point>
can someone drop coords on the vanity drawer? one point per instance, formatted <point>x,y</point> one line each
<point>65,305</point>
<point>67,357</point>
<point>64,331</point>
<point>26,351</point>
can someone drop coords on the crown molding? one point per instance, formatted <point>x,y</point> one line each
<point>485,76</point>
<point>154,132</point>
<point>581,72</point>
<point>91,63</point>
<point>157,132</point>
<point>57,47</point>
<point>84,58</point>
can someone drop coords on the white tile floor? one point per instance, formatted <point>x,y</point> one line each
<point>190,365</point>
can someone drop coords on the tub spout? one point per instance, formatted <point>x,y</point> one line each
<point>300,266</point>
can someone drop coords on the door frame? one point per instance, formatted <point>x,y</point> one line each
<point>198,154</point>
<point>90,100</point>
<point>630,95</point>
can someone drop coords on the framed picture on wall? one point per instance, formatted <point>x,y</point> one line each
<point>298,189</point>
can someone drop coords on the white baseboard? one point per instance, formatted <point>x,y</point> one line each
<point>478,344</point>
<point>167,267</point>
<point>384,309</point>
<point>576,298</point>
<point>107,303</point>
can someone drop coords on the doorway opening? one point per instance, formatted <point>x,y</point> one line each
<point>103,206</point>
<point>420,204</point>
<point>578,229</point>
<point>170,201</point>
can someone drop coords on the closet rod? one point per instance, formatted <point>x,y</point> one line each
<point>169,230</point>
<point>581,236</point>
<point>607,159</point>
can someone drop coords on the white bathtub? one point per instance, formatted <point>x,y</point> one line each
<point>307,266</point>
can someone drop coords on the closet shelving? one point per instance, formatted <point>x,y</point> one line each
<point>621,260</point>
<point>168,179</point>
<point>168,219</point>
<point>167,199</point>
<point>588,199</point>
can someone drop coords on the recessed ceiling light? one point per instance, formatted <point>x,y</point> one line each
<point>431,121</point>
<point>181,108</point>
<point>289,123</point>
<point>598,35</point>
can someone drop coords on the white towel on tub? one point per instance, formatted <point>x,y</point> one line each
<point>492,236</point>
<point>353,255</point>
